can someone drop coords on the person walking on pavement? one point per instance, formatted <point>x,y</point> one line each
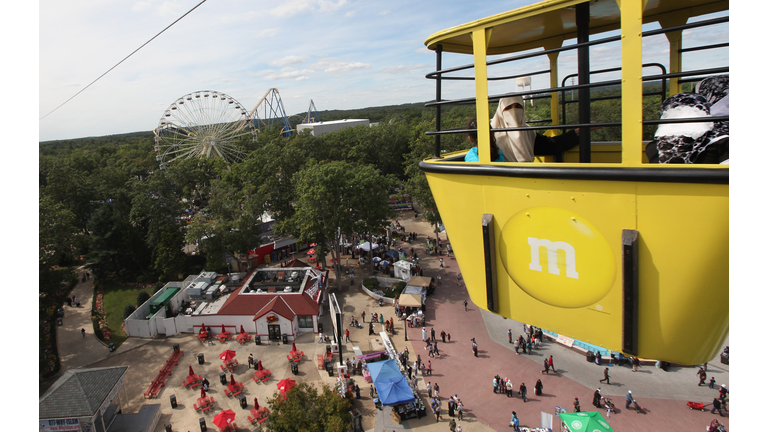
<point>363,316</point>
<point>629,398</point>
<point>712,383</point>
<point>250,361</point>
<point>514,422</point>
<point>576,405</point>
<point>606,377</point>
<point>510,388</point>
<point>465,305</point>
<point>596,399</point>
<point>452,425</point>
<point>551,365</point>
<point>432,332</point>
<point>424,334</point>
<point>538,388</point>
<point>346,334</point>
<point>441,263</point>
<point>442,335</point>
<point>635,364</point>
<point>523,392</point>
<point>717,406</point>
<point>546,366</point>
<point>702,376</point>
<point>82,331</point>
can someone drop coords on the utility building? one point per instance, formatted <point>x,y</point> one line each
<point>320,128</point>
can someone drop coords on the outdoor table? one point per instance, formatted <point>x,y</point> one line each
<point>261,376</point>
<point>202,337</point>
<point>224,336</point>
<point>234,389</point>
<point>258,415</point>
<point>296,356</point>
<point>229,428</point>
<point>204,403</point>
<point>243,338</point>
<point>192,381</point>
<point>229,365</point>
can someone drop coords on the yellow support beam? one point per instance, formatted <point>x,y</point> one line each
<point>480,38</point>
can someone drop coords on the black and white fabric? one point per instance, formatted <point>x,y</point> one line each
<point>685,142</point>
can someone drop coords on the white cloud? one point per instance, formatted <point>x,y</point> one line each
<point>266,33</point>
<point>331,65</point>
<point>294,7</point>
<point>405,69</point>
<point>289,60</point>
<point>288,73</point>
<point>163,9</point>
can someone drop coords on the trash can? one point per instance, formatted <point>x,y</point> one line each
<point>295,368</point>
<point>327,349</point>
<point>173,401</point>
<point>590,356</point>
<point>319,327</point>
<point>111,347</point>
<point>243,402</point>
<point>175,347</point>
<point>257,339</point>
<point>168,427</point>
<point>223,378</point>
<point>328,367</point>
<point>285,339</point>
<point>203,427</point>
<point>200,358</point>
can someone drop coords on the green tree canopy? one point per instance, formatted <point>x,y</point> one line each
<point>306,409</point>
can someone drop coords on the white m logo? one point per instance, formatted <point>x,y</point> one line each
<point>552,248</point>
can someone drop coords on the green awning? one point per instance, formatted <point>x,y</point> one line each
<point>586,422</point>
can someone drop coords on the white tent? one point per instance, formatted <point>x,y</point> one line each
<point>367,246</point>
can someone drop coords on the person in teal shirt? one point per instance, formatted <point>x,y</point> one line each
<point>471,155</point>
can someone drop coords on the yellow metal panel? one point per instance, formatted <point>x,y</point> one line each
<point>683,270</point>
<point>683,257</point>
<point>632,81</point>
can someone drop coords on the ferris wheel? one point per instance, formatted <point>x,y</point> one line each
<point>203,124</point>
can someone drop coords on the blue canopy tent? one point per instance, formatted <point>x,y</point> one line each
<point>392,253</point>
<point>390,383</point>
<point>384,371</point>
<point>394,392</point>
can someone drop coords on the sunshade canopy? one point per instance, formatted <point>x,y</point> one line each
<point>394,392</point>
<point>586,422</point>
<point>412,300</point>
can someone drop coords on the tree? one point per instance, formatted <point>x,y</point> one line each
<point>305,409</point>
<point>335,198</point>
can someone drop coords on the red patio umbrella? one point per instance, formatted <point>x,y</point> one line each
<point>222,329</point>
<point>313,245</point>
<point>260,366</point>
<point>293,344</point>
<point>224,418</point>
<point>227,355</point>
<point>203,326</point>
<point>232,379</point>
<point>311,252</point>
<point>285,384</point>
<point>202,393</point>
<point>191,372</point>
<point>256,403</point>
<point>242,330</point>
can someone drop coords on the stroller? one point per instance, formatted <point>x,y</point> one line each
<point>696,406</point>
<point>638,408</point>
<point>609,406</point>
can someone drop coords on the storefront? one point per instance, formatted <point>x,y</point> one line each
<point>91,400</point>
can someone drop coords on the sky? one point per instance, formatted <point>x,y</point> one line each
<point>341,54</point>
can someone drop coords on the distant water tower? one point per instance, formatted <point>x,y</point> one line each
<point>525,82</point>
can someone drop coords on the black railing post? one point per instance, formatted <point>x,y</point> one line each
<point>438,96</point>
<point>582,36</point>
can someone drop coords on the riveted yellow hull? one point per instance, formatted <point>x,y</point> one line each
<point>681,253</point>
